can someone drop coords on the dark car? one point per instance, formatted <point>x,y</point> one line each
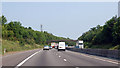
<point>50,47</point>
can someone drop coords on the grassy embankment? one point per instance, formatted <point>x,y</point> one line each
<point>0,47</point>
<point>12,46</point>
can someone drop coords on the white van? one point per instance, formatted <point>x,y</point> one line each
<point>61,46</point>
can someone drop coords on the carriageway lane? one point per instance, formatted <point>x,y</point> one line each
<point>16,58</point>
<point>46,58</point>
<point>68,58</point>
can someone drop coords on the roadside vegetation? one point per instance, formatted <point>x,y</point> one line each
<point>14,46</point>
<point>105,37</point>
<point>16,37</point>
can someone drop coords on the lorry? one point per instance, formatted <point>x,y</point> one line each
<point>61,46</point>
<point>79,44</point>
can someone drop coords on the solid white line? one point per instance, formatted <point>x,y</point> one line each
<point>110,61</point>
<point>100,59</point>
<point>20,64</point>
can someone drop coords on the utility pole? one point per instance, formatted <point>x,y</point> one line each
<point>41,28</point>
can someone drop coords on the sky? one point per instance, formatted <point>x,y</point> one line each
<point>119,9</point>
<point>60,0</point>
<point>64,19</point>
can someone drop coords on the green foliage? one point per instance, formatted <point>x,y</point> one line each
<point>4,20</point>
<point>87,44</point>
<point>14,46</point>
<point>13,31</point>
<point>116,32</point>
<point>106,34</point>
<point>115,47</point>
<point>70,43</point>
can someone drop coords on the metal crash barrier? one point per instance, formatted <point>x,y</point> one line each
<point>99,52</point>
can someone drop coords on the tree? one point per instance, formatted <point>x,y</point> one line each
<point>4,20</point>
<point>15,32</point>
<point>106,34</point>
<point>116,32</point>
<point>29,28</point>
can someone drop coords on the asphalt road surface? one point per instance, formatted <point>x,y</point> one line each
<point>56,58</point>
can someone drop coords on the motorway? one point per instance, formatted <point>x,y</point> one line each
<point>53,57</point>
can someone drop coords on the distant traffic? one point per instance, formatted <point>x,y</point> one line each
<point>62,46</point>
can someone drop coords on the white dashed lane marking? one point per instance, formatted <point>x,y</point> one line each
<point>65,60</point>
<point>59,56</point>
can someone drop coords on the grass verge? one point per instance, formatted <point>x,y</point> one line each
<point>11,46</point>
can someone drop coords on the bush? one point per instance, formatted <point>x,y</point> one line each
<point>22,43</point>
<point>117,47</point>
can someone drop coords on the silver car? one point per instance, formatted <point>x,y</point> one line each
<point>46,47</point>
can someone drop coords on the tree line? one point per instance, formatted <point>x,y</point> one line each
<point>109,33</point>
<point>14,31</point>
